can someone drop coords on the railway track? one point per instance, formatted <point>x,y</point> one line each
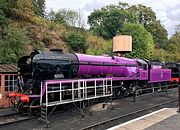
<point>9,114</point>
<point>13,118</point>
<point>115,121</point>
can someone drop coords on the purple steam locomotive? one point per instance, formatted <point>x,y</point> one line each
<point>125,73</point>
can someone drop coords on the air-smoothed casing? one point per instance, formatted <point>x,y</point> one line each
<point>106,65</point>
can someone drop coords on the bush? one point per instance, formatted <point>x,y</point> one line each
<point>158,54</point>
<point>47,41</point>
<point>37,45</point>
<point>142,40</point>
<point>3,21</point>
<point>97,45</point>
<point>12,45</point>
<point>76,41</point>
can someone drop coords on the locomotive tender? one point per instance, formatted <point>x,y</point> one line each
<point>175,71</point>
<point>126,73</point>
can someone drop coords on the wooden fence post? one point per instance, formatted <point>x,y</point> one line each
<point>2,90</point>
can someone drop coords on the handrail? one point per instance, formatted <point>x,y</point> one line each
<point>77,90</point>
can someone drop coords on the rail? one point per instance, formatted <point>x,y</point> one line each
<point>155,90</point>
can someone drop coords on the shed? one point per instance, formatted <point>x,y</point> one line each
<point>8,82</point>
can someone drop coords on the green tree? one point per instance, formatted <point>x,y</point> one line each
<point>158,54</point>
<point>109,20</point>
<point>5,7</point>
<point>39,7</point>
<point>51,15</point>
<point>80,20</point>
<point>147,17</point>
<point>3,21</point>
<point>12,45</point>
<point>142,40</point>
<point>22,10</point>
<point>76,41</point>
<point>59,18</point>
<point>144,15</point>
<point>174,46</point>
<point>24,6</point>
<point>68,16</point>
<point>159,34</point>
<point>56,17</point>
<point>177,28</point>
<point>171,53</point>
<point>4,13</point>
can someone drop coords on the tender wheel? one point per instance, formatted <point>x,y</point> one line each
<point>35,108</point>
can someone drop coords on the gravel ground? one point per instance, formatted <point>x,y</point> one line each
<point>69,120</point>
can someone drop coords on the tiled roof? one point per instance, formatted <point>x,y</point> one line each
<point>8,68</point>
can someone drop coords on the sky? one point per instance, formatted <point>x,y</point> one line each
<point>167,11</point>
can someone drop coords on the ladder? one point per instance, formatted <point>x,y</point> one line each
<point>44,114</point>
<point>44,108</point>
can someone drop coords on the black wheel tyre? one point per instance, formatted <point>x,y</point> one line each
<point>34,109</point>
<point>114,94</point>
<point>14,107</point>
<point>121,94</point>
<point>118,94</point>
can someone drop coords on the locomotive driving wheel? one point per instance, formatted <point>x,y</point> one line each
<point>120,93</point>
<point>35,108</point>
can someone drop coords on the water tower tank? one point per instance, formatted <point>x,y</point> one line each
<point>122,44</point>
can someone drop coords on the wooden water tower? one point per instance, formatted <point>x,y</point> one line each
<point>122,44</point>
